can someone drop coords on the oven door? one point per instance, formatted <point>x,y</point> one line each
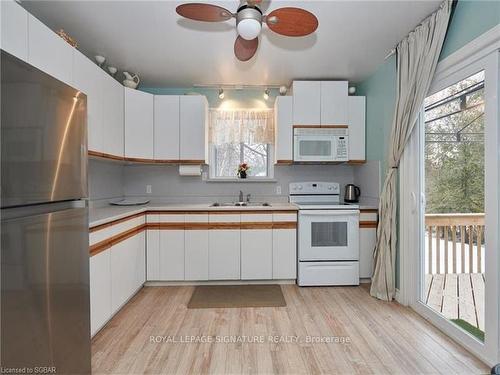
<point>328,235</point>
<point>314,148</point>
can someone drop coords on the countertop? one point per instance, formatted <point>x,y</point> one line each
<point>104,214</point>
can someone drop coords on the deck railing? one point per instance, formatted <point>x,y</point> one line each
<point>454,243</point>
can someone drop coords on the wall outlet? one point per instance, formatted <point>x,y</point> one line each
<point>148,189</point>
<point>278,190</point>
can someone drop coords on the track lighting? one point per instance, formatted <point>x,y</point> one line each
<point>221,94</point>
<point>266,94</point>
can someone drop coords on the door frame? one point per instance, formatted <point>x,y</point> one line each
<point>481,53</point>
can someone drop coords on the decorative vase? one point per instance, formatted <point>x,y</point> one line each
<point>243,174</point>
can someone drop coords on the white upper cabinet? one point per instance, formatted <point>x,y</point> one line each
<point>138,124</point>
<point>193,127</point>
<point>14,29</point>
<point>49,52</point>
<point>306,103</point>
<point>283,128</point>
<point>320,103</point>
<point>87,79</point>
<point>166,127</point>
<point>356,121</point>
<point>112,115</point>
<point>334,95</point>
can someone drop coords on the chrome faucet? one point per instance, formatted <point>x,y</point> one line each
<point>240,199</point>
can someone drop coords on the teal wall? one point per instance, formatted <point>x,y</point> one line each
<point>471,19</point>
<point>244,98</point>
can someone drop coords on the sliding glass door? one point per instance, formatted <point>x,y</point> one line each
<point>455,157</point>
<point>453,248</point>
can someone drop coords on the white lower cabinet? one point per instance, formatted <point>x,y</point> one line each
<point>284,254</point>
<point>100,290</point>
<point>127,269</point>
<point>196,253</point>
<point>256,254</point>
<point>224,254</point>
<point>153,254</point>
<point>171,255</point>
<point>367,242</point>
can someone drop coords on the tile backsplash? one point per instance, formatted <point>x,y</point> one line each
<point>110,180</point>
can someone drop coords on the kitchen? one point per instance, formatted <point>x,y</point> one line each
<point>194,224</point>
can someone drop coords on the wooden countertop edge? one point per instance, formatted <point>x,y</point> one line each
<point>107,243</point>
<point>98,227</point>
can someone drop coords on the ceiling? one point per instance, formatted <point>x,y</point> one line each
<point>148,37</point>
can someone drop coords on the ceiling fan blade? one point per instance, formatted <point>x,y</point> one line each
<point>292,21</point>
<point>204,12</point>
<point>245,49</point>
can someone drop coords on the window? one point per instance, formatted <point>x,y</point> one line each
<point>241,136</point>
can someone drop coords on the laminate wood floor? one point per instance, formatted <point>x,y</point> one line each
<point>353,333</point>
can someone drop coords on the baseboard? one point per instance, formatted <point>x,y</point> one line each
<point>220,282</point>
<point>367,280</point>
<point>116,312</point>
<point>397,296</point>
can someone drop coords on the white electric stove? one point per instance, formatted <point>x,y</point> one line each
<point>328,235</point>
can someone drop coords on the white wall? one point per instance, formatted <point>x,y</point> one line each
<point>105,179</point>
<point>167,184</point>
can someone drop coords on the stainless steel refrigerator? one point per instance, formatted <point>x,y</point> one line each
<point>45,308</point>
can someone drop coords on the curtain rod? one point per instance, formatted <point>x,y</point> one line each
<point>391,52</point>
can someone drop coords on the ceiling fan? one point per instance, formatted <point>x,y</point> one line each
<point>287,21</point>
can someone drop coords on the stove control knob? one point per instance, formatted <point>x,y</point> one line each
<point>299,187</point>
<point>330,187</point>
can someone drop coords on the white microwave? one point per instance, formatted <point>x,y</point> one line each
<point>320,144</point>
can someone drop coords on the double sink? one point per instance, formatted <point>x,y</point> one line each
<point>241,204</point>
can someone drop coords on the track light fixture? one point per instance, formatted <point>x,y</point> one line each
<point>266,94</point>
<point>221,94</point>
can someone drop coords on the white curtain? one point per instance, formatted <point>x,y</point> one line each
<point>417,57</point>
<point>241,126</point>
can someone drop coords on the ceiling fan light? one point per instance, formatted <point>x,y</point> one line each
<point>249,28</point>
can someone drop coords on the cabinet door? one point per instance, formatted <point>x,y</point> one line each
<point>256,254</point>
<point>100,290</point>
<point>49,52</point>
<point>196,250</point>
<point>127,269</point>
<point>87,78</point>
<point>306,103</point>
<point>283,128</point>
<point>193,123</point>
<point>171,255</point>
<point>138,124</point>
<point>122,270</point>
<point>14,29</point>
<point>166,127</point>
<point>139,244</point>
<point>224,254</point>
<point>334,95</point>
<point>367,242</point>
<point>356,124</point>
<point>112,115</point>
<point>284,254</point>
<point>153,254</point>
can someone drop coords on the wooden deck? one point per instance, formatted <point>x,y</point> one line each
<point>457,296</point>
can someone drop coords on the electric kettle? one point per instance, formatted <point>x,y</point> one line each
<point>352,193</point>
